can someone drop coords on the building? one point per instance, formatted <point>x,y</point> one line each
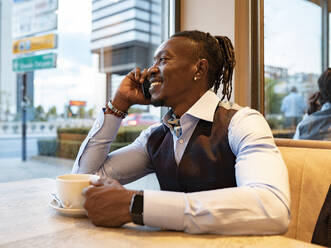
<point>125,34</point>
<point>8,107</point>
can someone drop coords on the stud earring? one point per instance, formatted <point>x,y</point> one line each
<point>195,78</point>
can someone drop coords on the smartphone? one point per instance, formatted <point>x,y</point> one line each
<point>145,87</point>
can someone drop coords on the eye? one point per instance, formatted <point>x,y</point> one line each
<point>163,59</point>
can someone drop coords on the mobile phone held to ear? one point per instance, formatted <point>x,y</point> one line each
<point>145,87</point>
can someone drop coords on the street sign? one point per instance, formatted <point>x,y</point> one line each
<point>31,44</point>
<point>31,17</point>
<point>32,25</point>
<point>77,103</point>
<point>44,61</point>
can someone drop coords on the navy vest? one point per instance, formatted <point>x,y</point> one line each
<point>207,162</point>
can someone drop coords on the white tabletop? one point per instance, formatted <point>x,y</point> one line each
<point>27,220</point>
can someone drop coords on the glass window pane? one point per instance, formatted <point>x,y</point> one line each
<point>97,43</point>
<point>292,57</point>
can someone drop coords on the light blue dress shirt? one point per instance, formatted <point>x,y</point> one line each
<point>293,105</point>
<point>260,204</point>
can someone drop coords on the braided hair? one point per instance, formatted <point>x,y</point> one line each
<point>219,53</point>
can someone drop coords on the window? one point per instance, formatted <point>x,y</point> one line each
<point>293,60</point>
<point>95,44</point>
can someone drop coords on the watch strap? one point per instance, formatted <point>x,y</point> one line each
<point>137,208</point>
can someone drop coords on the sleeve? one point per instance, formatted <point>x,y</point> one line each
<point>126,164</point>
<point>258,205</point>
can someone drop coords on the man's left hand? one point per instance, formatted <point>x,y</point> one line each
<point>107,203</point>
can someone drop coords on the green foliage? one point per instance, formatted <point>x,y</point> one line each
<point>273,101</point>
<point>39,113</point>
<point>90,113</point>
<point>135,110</point>
<point>81,112</point>
<point>79,130</point>
<point>52,112</point>
<point>125,134</point>
<point>275,123</point>
<point>69,148</point>
<point>128,134</point>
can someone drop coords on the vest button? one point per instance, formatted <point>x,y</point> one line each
<point>181,141</point>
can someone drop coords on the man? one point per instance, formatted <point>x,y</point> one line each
<point>219,172</point>
<point>293,107</point>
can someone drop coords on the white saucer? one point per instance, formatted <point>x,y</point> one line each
<point>68,211</point>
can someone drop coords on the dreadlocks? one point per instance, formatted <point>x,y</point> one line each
<point>219,53</point>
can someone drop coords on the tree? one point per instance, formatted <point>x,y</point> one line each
<point>273,100</point>
<point>39,113</point>
<point>90,113</point>
<point>81,112</point>
<point>52,112</point>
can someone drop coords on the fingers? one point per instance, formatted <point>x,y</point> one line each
<point>101,182</point>
<point>86,191</point>
<point>144,74</point>
<point>137,75</point>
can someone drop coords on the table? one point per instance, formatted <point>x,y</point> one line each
<point>27,220</point>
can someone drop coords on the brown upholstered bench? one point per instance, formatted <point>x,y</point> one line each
<point>309,167</point>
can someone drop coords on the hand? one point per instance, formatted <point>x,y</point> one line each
<point>107,203</point>
<point>130,90</point>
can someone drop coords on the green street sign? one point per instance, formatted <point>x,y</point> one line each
<point>44,61</point>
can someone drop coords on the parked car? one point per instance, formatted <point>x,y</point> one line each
<point>141,119</point>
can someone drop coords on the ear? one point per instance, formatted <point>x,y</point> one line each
<point>201,69</point>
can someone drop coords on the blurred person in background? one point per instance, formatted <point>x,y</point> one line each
<point>293,107</point>
<point>316,125</point>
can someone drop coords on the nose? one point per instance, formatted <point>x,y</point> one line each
<point>152,71</point>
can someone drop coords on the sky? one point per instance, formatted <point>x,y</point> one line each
<point>293,35</point>
<point>76,76</point>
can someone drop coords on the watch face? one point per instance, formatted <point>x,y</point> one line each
<point>138,204</point>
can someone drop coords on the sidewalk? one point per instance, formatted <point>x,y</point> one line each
<point>14,169</point>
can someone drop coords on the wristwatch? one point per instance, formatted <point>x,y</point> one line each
<point>137,208</point>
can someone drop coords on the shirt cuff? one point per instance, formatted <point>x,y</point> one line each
<point>164,209</point>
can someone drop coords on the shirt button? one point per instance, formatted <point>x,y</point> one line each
<point>181,141</point>
<point>98,125</point>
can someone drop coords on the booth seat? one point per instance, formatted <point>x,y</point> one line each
<point>309,167</point>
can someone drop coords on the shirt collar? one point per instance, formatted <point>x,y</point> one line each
<point>326,106</point>
<point>203,109</point>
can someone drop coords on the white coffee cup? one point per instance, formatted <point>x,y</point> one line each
<point>70,187</point>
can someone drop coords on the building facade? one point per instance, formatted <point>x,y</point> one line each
<point>125,34</point>
<point>8,107</point>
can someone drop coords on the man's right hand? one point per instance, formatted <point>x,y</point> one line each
<point>130,90</point>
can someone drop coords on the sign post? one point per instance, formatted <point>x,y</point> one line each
<point>24,105</point>
<point>30,18</point>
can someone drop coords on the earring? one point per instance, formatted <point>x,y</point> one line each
<point>195,78</point>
